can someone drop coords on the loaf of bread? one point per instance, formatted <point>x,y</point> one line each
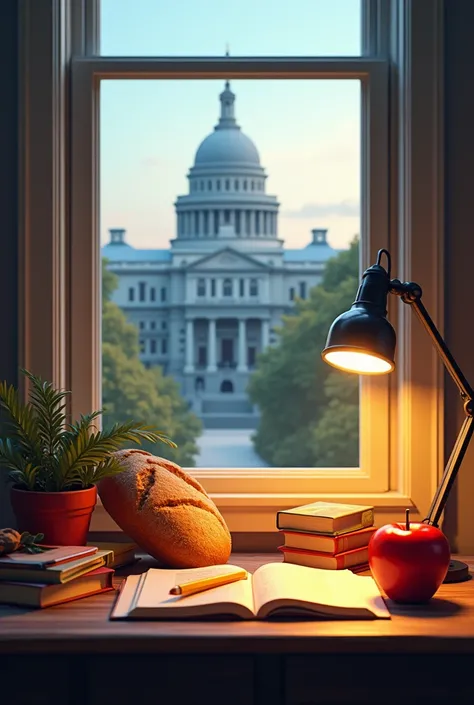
<point>165,511</point>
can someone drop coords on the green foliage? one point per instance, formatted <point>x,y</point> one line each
<point>129,390</point>
<point>309,411</point>
<point>46,452</point>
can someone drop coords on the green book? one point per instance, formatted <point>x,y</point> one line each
<point>329,518</point>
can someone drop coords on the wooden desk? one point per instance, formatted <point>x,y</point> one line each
<point>422,655</point>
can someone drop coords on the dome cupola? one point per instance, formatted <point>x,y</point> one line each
<point>227,144</point>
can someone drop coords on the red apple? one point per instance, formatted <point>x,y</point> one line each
<point>410,564</point>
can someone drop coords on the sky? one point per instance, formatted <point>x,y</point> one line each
<point>307,132</point>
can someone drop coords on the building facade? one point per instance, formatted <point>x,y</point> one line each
<point>208,306</point>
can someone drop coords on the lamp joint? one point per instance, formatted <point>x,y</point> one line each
<point>469,407</point>
<point>409,292</point>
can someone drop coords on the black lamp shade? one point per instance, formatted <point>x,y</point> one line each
<point>368,336</point>
<point>362,340</point>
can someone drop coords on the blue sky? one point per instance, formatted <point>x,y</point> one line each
<point>307,132</point>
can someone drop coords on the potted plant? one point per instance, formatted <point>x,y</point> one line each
<point>55,463</point>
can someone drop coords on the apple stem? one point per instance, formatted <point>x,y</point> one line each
<point>407,519</point>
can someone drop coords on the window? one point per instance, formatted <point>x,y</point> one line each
<point>227,216</point>
<point>254,287</point>
<point>227,386</point>
<point>164,346</point>
<point>245,184</point>
<point>202,356</point>
<point>153,346</point>
<point>164,325</point>
<point>241,287</point>
<point>236,184</point>
<point>251,356</point>
<point>201,287</point>
<point>218,184</point>
<point>141,291</point>
<point>131,294</point>
<point>302,286</point>
<point>152,325</point>
<point>152,293</point>
<point>227,184</point>
<point>141,325</point>
<point>142,345</point>
<point>163,293</point>
<point>227,287</point>
<point>369,67</point>
<point>209,185</point>
<point>213,287</point>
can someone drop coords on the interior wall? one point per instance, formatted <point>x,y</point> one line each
<point>459,220</point>
<point>8,211</point>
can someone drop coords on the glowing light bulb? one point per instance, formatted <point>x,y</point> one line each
<point>359,362</point>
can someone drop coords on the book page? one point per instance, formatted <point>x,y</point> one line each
<point>337,593</point>
<point>154,598</point>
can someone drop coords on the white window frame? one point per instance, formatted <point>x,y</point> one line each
<point>401,74</point>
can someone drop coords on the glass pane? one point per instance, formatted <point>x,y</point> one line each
<point>246,28</point>
<point>229,214</point>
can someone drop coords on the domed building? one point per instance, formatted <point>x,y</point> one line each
<point>207,306</point>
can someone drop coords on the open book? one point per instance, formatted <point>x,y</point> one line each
<point>275,589</point>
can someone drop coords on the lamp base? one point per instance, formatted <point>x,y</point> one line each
<point>458,572</point>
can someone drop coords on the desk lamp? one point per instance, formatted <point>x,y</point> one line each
<point>362,340</point>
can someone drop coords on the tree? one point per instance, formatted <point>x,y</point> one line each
<point>130,391</point>
<point>309,411</point>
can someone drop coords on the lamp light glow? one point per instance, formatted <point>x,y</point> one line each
<point>360,362</point>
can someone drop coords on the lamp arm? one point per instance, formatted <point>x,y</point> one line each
<point>450,472</point>
<point>411,293</point>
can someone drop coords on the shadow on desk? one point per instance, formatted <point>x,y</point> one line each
<point>436,607</point>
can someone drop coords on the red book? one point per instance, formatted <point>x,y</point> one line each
<point>328,544</point>
<point>316,559</point>
<point>43,595</point>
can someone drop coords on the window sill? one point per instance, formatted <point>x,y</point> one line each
<point>249,513</point>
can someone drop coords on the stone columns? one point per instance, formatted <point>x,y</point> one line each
<point>253,216</point>
<point>265,333</point>
<point>242,359</point>
<point>201,224</point>
<point>189,366</point>
<point>211,345</point>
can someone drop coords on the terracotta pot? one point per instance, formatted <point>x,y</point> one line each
<point>63,517</point>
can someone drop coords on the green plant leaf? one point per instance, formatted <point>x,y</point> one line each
<point>46,453</point>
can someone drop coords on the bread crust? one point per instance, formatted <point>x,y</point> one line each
<point>165,511</point>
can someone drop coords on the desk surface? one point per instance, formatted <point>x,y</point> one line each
<point>445,624</point>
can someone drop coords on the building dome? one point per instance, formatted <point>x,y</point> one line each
<point>229,146</point>
<point>227,198</point>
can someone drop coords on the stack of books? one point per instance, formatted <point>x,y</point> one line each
<point>58,574</point>
<point>327,535</point>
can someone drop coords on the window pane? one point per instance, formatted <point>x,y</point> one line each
<point>247,283</point>
<point>247,28</point>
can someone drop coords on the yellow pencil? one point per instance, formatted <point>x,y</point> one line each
<point>206,583</point>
